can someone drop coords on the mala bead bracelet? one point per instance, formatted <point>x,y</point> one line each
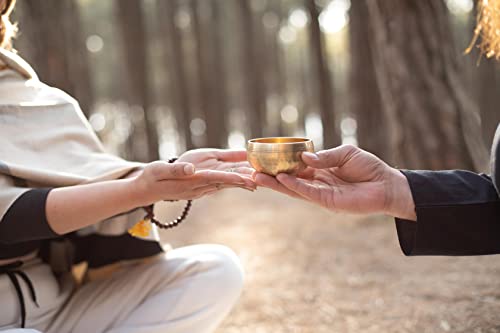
<point>150,215</point>
<point>143,228</point>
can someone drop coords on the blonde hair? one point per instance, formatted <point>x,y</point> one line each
<point>487,29</point>
<point>7,29</point>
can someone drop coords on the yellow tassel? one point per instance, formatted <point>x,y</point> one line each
<point>141,229</point>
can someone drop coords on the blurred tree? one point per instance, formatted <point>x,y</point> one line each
<point>134,41</point>
<point>212,74</point>
<point>220,98</point>
<point>273,19</point>
<point>364,95</point>
<point>489,97</point>
<point>53,42</point>
<point>331,137</point>
<point>484,78</point>
<point>174,62</point>
<point>432,121</point>
<point>252,63</point>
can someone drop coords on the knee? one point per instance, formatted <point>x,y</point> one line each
<point>226,270</point>
<point>216,267</point>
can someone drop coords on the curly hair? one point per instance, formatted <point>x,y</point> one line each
<point>7,29</point>
<point>486,34</point>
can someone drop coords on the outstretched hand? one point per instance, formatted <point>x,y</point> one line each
<point>347,179</point>
<point>226,160</point>
<point>183,181</point>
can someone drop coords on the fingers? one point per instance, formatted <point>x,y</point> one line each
<point>205,190</point>
<point>296,185</point>
<point>264,180</point>
<point>220,177</point>
<point>330,158</point>
<point>162,170</point>
<point>244,171</point>
<point>231,155</point>
<point>213,188</point>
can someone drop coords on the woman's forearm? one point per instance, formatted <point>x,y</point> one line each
<point>72,208</point>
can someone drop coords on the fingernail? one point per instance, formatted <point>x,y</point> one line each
<point>281,176</point>
<point>312,156</point>
<point>189,169</point>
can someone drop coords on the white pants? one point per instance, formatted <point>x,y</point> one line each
<point>190,289</point>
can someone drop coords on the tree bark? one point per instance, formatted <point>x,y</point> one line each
<point>211,71</point>
<point>54,44</point>
<point>331,138</point>
<point>489,98</point>
<point>364,95</point>
<point>432,122</point>
<point>174,62</point>
<point>134,41</point>
<point>252,66</point>
<point>219,81</point>
<point>277,65</point>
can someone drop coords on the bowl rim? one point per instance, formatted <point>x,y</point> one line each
<point>255,141</point>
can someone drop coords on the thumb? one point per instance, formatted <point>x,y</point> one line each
<point>162,170</point>
<point>330,158</point>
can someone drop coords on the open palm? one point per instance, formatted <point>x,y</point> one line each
<point>228,160</point>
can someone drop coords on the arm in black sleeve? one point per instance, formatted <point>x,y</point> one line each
<point>458,213</point>
<point>26,219</point>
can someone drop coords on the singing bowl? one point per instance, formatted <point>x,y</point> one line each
<point>278,155</point>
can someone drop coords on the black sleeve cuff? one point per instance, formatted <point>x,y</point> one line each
<point>26,219</point>
<point>458,213</point>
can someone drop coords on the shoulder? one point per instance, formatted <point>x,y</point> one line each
<point>20,85</point>
<point>18,64</point>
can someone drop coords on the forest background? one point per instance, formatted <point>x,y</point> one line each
<point>158,77</point>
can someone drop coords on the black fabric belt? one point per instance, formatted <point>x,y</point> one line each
<point>13,271</point>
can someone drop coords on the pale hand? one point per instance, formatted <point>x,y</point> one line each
<point>182,181</point>
<point>347,179</point>
<point>226,160</point>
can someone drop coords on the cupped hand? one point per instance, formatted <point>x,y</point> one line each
<point>347,179</point>
<point>182,181</point>
<point>226,160</point>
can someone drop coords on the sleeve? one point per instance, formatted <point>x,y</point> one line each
<point>458,213</point>
<point>26,219</point>
<point>22,213</point>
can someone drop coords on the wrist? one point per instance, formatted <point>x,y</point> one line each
<point>399,198</point>
<point>140,193</point>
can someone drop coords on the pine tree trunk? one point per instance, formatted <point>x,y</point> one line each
<point>174,62</point>
<point>364,95</point>
<point>134,41</point>
<point>205,92</point>
<point>219,79</point>
<point>431,120</point>
<point>53,42</point>
<point>211,71</point>
<point>331,138</point>
<point>252,66</point>
<point>489,98</point>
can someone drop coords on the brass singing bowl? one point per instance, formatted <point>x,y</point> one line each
<point>278,155</point>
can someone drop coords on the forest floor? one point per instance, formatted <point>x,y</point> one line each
<point>309,270</point>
